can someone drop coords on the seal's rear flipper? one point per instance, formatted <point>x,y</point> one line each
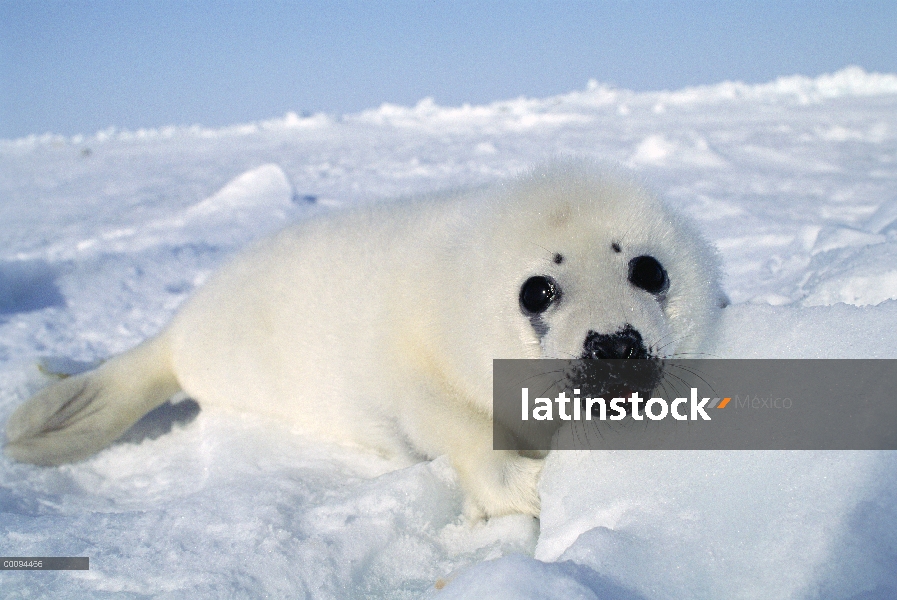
<point>81,415</point>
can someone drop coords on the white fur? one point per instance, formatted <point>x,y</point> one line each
<point>377,326</point>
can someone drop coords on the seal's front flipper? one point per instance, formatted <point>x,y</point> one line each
<point>83,414</point>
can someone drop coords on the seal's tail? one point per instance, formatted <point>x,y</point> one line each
<point>81,415</point>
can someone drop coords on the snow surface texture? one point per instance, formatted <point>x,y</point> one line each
<point>101,238</point>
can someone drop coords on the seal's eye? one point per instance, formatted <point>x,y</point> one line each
<point>537,294</point>
<point>648,274</point>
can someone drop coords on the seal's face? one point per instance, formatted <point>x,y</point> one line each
<point>540,292</point>
<point>572,315</point>
<point>648,278</point>
<point>601,269</point>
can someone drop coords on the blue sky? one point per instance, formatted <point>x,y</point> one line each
<point>78,66</point>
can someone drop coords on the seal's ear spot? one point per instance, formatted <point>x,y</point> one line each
<point>538,293</point>
<point>647,273</point>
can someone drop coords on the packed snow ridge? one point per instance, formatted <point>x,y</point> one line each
<point>522,112</point>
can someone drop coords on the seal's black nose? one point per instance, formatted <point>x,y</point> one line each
<point>626,343</point>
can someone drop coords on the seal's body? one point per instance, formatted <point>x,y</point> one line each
<point>377,326</point>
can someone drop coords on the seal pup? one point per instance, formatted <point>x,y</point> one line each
<point>377,326</point>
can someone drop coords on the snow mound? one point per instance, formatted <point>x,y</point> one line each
<point>838,331</point>
<point>696,524</point>
<point>657,150</point>
<point>517,577</point>
<point>253,203</point>
<point>860,270</point>
<point>850,81</point>
<point>265,186</point>
<point>262,196</point>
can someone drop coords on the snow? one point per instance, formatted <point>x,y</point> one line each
<point>103,236</point>
<point>796,524</point>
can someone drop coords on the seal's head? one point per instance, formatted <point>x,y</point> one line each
<point>611,271</point>
<point>582,264</point>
